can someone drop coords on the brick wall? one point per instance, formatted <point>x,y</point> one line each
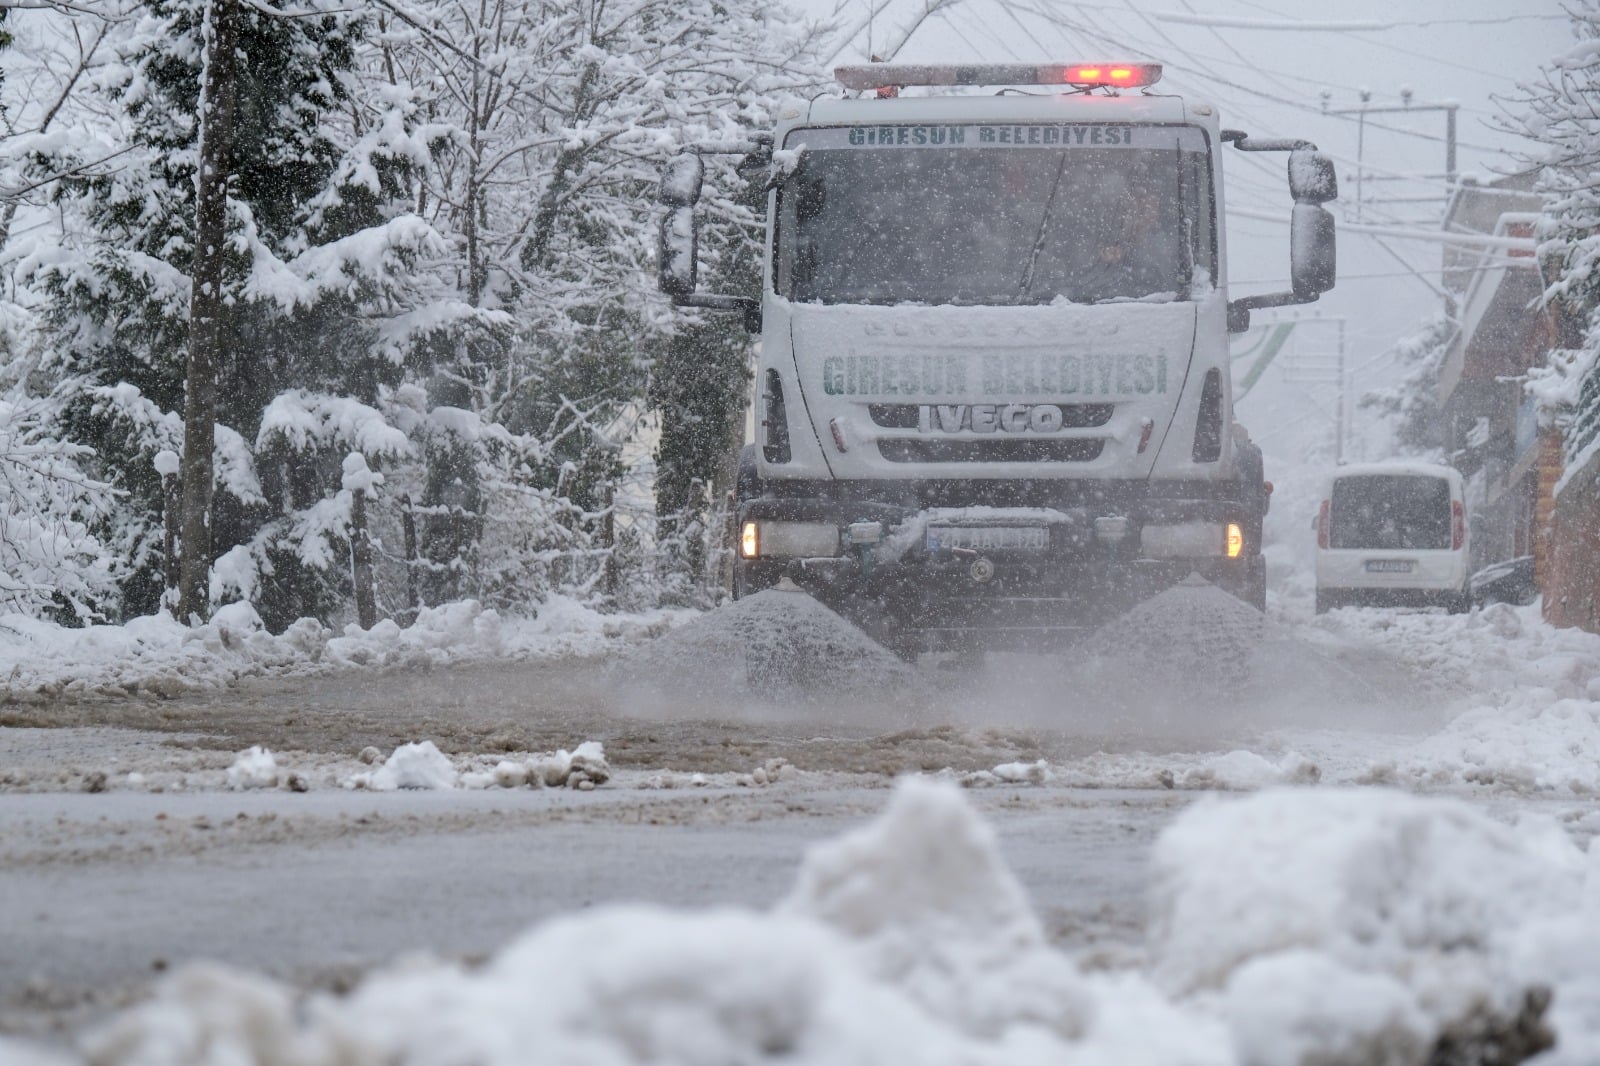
<point>1567,555</point>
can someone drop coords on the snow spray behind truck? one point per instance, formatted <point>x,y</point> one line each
<point>993,403</point>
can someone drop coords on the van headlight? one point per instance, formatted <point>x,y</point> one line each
<point>788,540</point>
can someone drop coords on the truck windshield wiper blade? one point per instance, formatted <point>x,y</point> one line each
<point>1044,222</point>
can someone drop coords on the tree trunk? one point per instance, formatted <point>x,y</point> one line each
<point>608,539</point>
<point>171,508</point>
<point>569,160</point>
<point>206,307</point>
<point>409,525</point>
<point>361,561</point>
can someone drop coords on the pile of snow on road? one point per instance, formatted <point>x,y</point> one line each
<point>255,768</point>
<point>1196,657</point>
<point>1193,637</point>
<point>777,645</point>
<point>421,765</point>
<point>1289,926</point>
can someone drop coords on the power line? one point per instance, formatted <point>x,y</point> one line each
<point>1227,22</point>
<point>1216,78</point>
<point>1377,275</point>
<point>1390,47</point>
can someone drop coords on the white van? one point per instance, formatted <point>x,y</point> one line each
<point>1393,534</point>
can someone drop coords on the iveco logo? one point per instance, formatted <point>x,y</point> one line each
<point>989,417</point>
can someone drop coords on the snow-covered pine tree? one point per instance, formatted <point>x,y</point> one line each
<point>1558,112</point>
<point>1411,403</point>
<point>322,270</point>
<point>559,117</point>
<point>51,563</point>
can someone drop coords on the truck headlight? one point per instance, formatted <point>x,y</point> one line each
<point>788,540</point>
<point>1233,540</point>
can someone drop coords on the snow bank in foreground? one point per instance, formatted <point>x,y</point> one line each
<point>1292,926</point>
<point>156,655</point>
<point>1371,925</point>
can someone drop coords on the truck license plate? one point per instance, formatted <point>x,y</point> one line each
<point>1390,566</point>
<point>988,538</point>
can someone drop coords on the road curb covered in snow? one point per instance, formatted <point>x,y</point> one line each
<point>156,656</point>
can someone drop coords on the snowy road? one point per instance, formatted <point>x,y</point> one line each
<point>317,888</point>
<point>132,841</point>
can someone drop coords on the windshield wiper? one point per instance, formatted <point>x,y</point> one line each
<point>1044,221</point>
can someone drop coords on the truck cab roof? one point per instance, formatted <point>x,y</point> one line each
<point>1019,107</point>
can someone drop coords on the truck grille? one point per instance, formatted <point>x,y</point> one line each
<point>1031,450</point>
<point>1073,415</point>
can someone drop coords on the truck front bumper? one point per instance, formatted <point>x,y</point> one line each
<point>995,576</point>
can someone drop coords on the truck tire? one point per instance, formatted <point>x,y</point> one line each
<point>1256,587</point>
<point>746,487</point>
<point>747,483</point>
<point>1253,491</point>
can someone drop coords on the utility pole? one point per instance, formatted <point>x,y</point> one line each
<point>1322,367</point>
<point>207,307</point>
<point>1407,104</point>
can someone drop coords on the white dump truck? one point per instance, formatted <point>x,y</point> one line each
<point>992,400</point>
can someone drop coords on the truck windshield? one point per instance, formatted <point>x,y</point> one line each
<point>995,215</point>
<point>1390,512</point>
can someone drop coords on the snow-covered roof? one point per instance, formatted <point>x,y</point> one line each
<point>1398,467</point>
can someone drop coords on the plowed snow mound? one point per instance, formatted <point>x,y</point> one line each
<point>1195,647</point>
<point>774,646</point>
<point>1191,636</point>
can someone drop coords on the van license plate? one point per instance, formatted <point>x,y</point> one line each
<point>1390,566</point>
<point>988,538</point>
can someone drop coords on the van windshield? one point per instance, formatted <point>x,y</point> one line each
<point>1389,512</point>
<point>995,215</point>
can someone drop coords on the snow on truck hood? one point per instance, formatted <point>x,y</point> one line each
<point>1057,390</point>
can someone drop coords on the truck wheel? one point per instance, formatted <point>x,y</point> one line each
<point>1256,588</point>
<point>746,486</point>
<point>883,627</point>
<point>1252,476</point>
<point>747,483</point>
<point>1459,603</point>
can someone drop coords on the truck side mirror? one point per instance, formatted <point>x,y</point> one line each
<point>1313,259</point>
<point>810,197</point>
<point>1311,178</point>
<point>679,247</point>
<point>681,179</point>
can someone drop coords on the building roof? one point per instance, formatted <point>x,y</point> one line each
<point>1476,207</point>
